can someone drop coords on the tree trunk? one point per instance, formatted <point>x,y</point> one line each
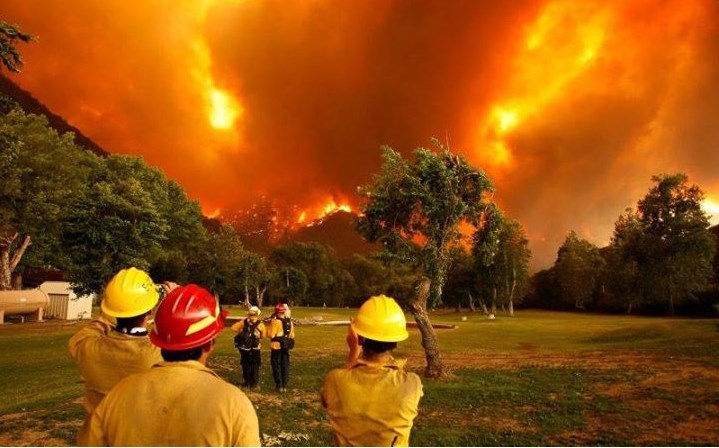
<point>629,308</point>
<point>483,305</point>
<point>471,301</point>
<point>671,302</point>
<point>17,281</point>
<point>247,296</point>
<point>511,292</point>
<point>9,263</point>
<point>435,366</point>
<point>494,301</point>
<point>435,292</point>
<point>260,294</point>
<point>5,272</point>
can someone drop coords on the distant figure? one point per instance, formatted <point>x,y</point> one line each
<point>116,344</point>
<point>281,332</point>
<point>250,331</point>
<point>373,401</point>
<point>491,316</point>
<point>179,402</point>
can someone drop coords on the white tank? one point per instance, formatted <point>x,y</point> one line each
<point>23,301</point>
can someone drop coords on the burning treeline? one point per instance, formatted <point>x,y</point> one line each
<point>571,107</point>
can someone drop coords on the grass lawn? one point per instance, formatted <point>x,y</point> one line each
<point>539,378</point>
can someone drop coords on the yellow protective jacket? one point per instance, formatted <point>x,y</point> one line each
<point>260,330</point>
<point>106,356</point>
<point>276,330</point>
<point>371,404</point>
<point>175,404</point>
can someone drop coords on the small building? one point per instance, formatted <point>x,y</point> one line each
<point>64,303</point>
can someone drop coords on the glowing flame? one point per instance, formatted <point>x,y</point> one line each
<point>507,119</point>
<point>323,210</point>
<point>711,207</point>
<point>213,214</point>
<point>332,207</point>
<point>560,45</point>
<point>224,110</point>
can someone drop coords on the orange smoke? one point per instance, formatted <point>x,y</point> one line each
<point>559,46</point>
<point>571,107</point>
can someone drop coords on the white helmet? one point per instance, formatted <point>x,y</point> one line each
<point>253,311</point>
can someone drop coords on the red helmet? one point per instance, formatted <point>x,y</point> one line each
<point>188,317</point>
<point>281,308</point>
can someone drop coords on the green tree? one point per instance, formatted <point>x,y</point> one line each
<point>289,285</point>
<point>461,285</point>
<point>674,248</point>
<point>130,215</point>
<point>510,265</point>
<point>578,267</point>
<point>10,36</point>
<point>183,215</point>
<point>624,256</point>
<point>115,224</point>
<point>370,278</point>
<point>217,263</point>
<point>43,175</point>
<point>255,277</point>
<point>486,249</point>
<point>318,263</point>
<point>414,209</point>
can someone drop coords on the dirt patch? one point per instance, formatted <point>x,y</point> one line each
<point>14,431</point>
<point>531,357</point>
<point>662,400</point>
<point>30,438</point>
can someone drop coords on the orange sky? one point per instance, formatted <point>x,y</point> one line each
<point>570,106</point>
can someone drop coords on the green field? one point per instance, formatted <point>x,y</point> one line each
<point>539,378</point>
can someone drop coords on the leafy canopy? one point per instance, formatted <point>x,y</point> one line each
<point>414,208</point>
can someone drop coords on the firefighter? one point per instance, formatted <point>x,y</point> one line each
<point>250,331</point>
<point>116,344</point>
<point>373,401</point>
<point>281,332</point>
<point>178,402</point>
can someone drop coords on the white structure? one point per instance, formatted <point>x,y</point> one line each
<point>24,302</point>
<point>64,303</point>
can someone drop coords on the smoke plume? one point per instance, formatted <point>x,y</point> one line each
<point>571,107</point>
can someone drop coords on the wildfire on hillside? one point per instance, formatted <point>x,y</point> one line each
<point>317,213</point>
<point>569,106</point>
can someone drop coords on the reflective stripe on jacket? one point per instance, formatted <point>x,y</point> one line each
<point>371,404</point>
<point>175,404</point>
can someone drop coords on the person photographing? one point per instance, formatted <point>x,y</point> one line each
<point>373,401</point>
<point>180,401</point>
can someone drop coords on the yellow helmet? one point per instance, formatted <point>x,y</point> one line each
<point>131,292</point>
<point>381,319</point>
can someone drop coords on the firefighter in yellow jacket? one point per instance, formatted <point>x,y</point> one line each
<point>281,332</point>
<point>249,332</point>
<point>373,401</point>
<point>180,401</point>
<point>116,344</point>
